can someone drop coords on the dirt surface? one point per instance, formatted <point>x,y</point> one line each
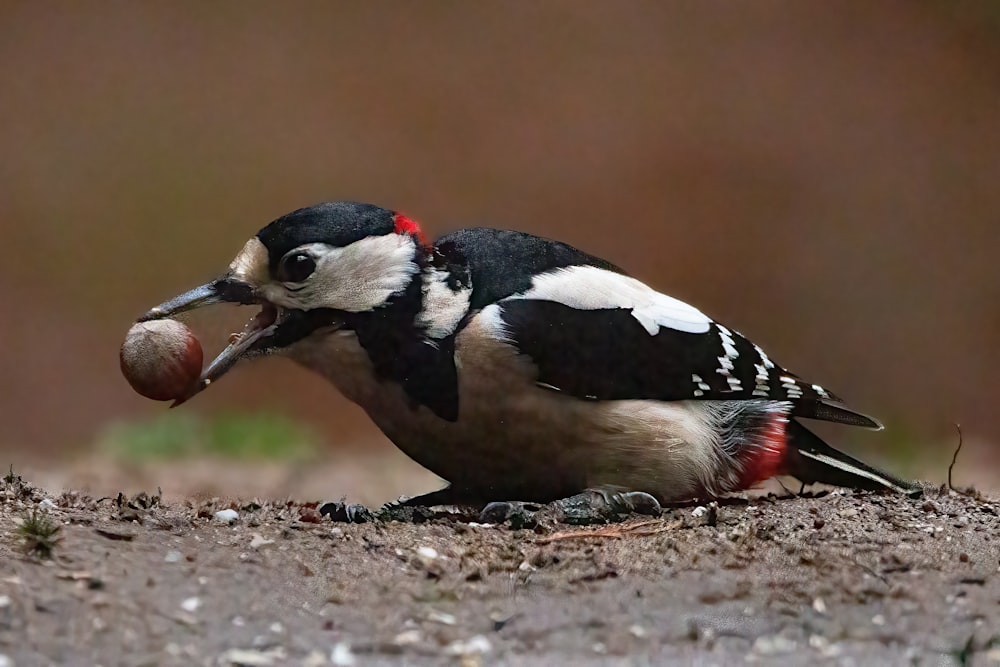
<point>837,578</point>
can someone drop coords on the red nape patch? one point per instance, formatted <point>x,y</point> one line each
<point>406,226</point>
<point>767,458</point>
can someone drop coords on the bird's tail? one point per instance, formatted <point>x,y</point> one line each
<point>810,460</point>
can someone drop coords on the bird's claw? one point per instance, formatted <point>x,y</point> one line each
<point>603,505</point>
<point>341,512</point>
<point>520,515</point>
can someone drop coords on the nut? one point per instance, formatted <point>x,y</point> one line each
<point>161,359</point>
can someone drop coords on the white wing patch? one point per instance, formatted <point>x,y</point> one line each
<point>593,288</point>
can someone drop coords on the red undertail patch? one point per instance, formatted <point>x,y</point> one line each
<point>406,226</point>
<point>769,455</point>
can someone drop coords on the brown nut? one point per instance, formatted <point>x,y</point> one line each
<point>161,359</point>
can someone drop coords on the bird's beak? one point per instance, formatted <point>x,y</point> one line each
<point>253,337</point>
<point>223,290</point>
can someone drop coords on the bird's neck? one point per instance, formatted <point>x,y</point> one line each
<point>410,340</point>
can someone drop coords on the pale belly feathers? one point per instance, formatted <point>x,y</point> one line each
<point>515,440</point>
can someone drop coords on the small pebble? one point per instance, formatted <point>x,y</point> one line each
<point>5,661</point>
<point>476,645</point>
<point>637,631</point>
<point>246,658</point>
<point>430,553</point>
<point>341,655</point>
<point>227,516</point>
<point>173,557</point>
<point>699,511</point>
<point>435,616</point>
<point>4,601</point>
<point>46,503</point>
<point>407,638</point>
<point>773,645</point>
<point>191,604</point>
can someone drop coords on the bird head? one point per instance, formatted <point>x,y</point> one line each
<point>309,271</point>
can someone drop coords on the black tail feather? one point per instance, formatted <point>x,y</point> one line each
<point>811,460</point>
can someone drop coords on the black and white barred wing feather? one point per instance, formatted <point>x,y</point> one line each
<point>601,335</point>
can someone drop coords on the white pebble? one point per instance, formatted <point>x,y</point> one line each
<point>46,503</point>
<point>245,657</point>
<point>637,631</point>
<point>5,661</point>
<point>699,511</point>
<point>407,638</point>
<point>430,553</point>
<point>227,516</point>
<point>173,557</point>
<point>341,655</point>
<point>477,645</point>
<point>819,606</point>
<point>191,604</point>
<point>435,616</point>
<point>4,601</point>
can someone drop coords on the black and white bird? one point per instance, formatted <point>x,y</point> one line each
<point>520,368</point>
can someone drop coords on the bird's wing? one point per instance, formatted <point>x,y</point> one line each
<point>600,335</point>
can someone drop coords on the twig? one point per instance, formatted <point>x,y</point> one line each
<point>954,457</point>
<point>615,532</point>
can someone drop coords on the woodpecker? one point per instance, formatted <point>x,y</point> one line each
<point>519,368</point>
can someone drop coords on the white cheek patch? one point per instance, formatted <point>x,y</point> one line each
<point>356,278</point>
<point>593,288</point>
<point>443,307</point>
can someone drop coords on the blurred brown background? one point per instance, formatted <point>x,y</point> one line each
<point>821,176</point>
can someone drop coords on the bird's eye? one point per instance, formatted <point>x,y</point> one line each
<point>296,268</point>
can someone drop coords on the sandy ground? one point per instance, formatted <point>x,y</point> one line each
<point>836,578</point>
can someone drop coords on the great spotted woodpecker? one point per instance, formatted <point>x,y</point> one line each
<point>520,368</point>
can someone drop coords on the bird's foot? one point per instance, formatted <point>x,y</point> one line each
<point>519,514</point>
<point>597,505</point>
<point>341,512</point>
<point>606,505</point>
